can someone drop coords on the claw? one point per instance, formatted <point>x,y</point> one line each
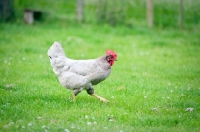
<point>100,98</point>
<point>103,100</point>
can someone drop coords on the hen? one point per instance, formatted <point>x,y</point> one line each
<point>78,75</point>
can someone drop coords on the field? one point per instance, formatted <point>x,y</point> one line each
<point>154,81</point>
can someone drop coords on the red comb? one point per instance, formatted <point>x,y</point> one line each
<point>111,52</point>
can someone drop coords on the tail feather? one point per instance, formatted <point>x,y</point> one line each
<point>55,50</point>
<point>57,57</point>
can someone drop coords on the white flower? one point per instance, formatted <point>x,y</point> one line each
<point>9,86</point>
<point>145,97</point>
<point>11,123</point>
<point>154,109</point>
<point>23,127</point>
<point>111,119</point>
<point>89,123</point>
<point>67,130</point>
<point>189,109</point>
<point>86,117</point>
<point>182,95</point>
<point>30,124</point>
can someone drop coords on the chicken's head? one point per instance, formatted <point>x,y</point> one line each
<point>112,56</point>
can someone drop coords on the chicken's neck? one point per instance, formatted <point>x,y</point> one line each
<point>103,62</point>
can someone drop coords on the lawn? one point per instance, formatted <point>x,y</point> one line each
<point>154,81</point>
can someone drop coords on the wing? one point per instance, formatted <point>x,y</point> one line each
<point>89,68</point>
<point>83,67</point>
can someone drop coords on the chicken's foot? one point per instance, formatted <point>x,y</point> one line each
<point>100,98</point>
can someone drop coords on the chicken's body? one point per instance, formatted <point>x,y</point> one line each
<point>78,75</point>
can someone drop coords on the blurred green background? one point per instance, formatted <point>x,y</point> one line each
<point>114,12</point>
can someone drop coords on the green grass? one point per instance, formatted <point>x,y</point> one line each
<point>156,77</point>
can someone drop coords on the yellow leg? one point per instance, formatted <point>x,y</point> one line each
<point>73,96</point>
<point>100,98</point>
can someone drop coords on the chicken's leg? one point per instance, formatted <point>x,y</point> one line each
<point>75,93</point>
<point>101,98</point>
<point>73,96</point>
